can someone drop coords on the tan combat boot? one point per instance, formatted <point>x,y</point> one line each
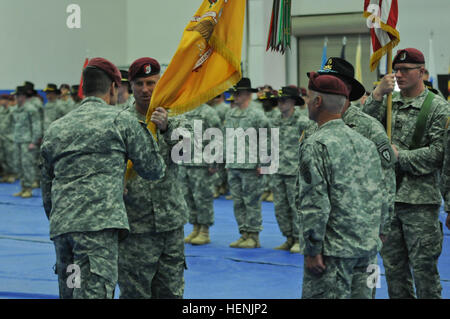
<point>243,238</point>
<point>35,184</point>
<point>251,242</point>
<point>295,249</point>
<point>286,245</point>
<point>216,192</point>
<point>19,194</point>
<point>264,195</point>
<point>203,236</point>
<point>229,197</point>
<point>192,235</point>
<point>269,197</point>
<point>27,193</point>
<point>11,179</point>
<point>222,190</point>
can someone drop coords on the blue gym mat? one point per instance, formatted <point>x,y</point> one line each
<point>215,271</point>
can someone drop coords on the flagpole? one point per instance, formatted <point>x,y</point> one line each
<point>389,97</point>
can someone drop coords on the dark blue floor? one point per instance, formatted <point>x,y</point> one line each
<point>215,271</point>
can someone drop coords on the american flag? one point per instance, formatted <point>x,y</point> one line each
<point>382,16</point>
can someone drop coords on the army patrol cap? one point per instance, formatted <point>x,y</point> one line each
<point>409,55</point>
<point>327,84</point>
<point>107,67</point>
<point>346,72</point>
<point>292,93</point>
<point>142,68</point>
<point>52,88</point>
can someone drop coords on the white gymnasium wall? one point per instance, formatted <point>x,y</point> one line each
<point>417,19</point>
<point>37,45</point>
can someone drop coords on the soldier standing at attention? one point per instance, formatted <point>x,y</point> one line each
<point>53,109</point>
<point>7,160</point>
<point>125,97</point>
<point>197,174</point>
<point>151,258</point>
<point>84,156</point>
<point>411,251</point>
<point>340,198</point>
<point>75,97</point>
<point>27,135</point>
<point>291,125</point>
<point>65,98</point>
<point>244,177</point>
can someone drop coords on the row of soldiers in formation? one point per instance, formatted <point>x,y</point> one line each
<point>23,121</point>
<point>342,192</point>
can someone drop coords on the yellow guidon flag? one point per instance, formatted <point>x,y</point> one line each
<point>206,63</point>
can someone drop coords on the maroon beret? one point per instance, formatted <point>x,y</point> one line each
<point>143,67</point>
<point>327,84</point>
<point>409,55</point>
<point>110,69</point>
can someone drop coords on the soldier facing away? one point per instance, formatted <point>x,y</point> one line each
<point>84,156</point>
<point>340,200</point>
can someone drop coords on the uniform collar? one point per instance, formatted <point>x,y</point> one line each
<point>332,123</point>
<point>91,99</point>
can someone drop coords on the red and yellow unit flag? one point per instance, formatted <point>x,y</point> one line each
<point>382,16</point>
<point>207,61</point>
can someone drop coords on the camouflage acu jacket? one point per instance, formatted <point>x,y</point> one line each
<point>27,124</point>
<point>156,206</point>
<point>238,124</point>
<point>419,167</point>
<point>371,129</point>
<point>84,156</point>
<point>197,122</point>
<point>340,200</point>
<point>290,131</point>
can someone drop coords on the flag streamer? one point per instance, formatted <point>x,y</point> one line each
<point>280,28</point>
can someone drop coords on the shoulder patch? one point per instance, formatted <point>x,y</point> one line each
<point>384,150</point>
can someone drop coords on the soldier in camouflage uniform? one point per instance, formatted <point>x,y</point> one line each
<point>54,108</point>
<point>340,196</point>
<point>411,251</point>
<point>244,177</point>
<point>445,175</point>
<point>125,98</point>
<point>7,160</point>
<point>75,97</point>
<point>371,129</point>
<point>220,184</point>
<point>84,157</point>
<point>26,135</point>
<point>197,172</point>
<point>66,100</point>
<point>35,99</point>
<point>151,258</point>
<point>291,125</point>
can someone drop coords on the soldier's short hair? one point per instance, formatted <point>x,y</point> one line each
<point>95,81</point>
<point>331,102</point>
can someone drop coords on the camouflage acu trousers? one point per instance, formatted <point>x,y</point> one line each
<point>198,194</point>
<point>411,252</point>
<point>245,188</point>
<point>340,278</point>
<point>284,191</point>
<point>151,265</point>
<point>26,167</point>
<point>96,256</point>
